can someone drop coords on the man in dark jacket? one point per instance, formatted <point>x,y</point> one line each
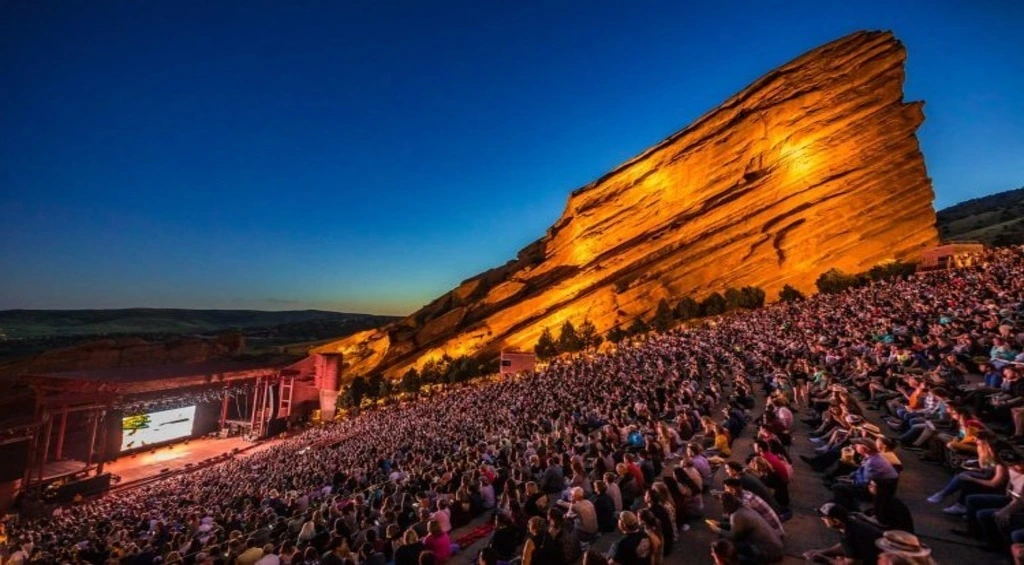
<point>552,480</point>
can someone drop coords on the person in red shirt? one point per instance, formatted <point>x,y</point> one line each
<point>781,472</point>
<point>634,470</point>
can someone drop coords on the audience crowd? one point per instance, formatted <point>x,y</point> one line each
<point>634,445</point>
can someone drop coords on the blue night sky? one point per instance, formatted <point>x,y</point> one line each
<point>367,156</point>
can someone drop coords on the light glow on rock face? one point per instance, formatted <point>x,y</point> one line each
<point>799,161</point>
<point>812,167</point>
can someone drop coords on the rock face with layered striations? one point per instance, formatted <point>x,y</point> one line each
<point>815,165</point>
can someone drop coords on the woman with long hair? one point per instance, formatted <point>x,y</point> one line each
<point>652,527</point>
<point>988,477</point>
<point>540,548</point>
<point>691,487</point>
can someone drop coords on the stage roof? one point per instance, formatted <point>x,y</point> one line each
<point>156,378</point>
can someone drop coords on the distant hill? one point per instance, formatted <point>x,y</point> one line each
<point>996,219</point>
<point>29,324</point>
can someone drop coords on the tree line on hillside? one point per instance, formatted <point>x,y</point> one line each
<point>835,281</point>
<point>446,370</point>
<point>572,340</point>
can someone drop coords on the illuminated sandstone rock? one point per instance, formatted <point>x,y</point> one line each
<point>813,166</point>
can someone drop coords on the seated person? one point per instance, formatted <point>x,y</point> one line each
<point>991,516</point>
<point>755,540</point>
<point>988,477</point>
<point>887,510</point>
<point>858,537</point>
<point>874,466</point>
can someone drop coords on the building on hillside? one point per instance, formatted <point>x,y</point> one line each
<point>950,255</point>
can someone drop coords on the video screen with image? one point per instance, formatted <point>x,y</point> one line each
<point>156,427</point>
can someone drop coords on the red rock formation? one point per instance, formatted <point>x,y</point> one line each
<point>813,166</point>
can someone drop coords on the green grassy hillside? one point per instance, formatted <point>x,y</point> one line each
<point>996,219</point>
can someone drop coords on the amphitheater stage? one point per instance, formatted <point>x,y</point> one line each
<point>145,465</point>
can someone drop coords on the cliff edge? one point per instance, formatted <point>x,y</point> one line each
<point>813,166</point>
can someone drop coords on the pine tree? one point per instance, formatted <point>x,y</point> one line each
<point>687,309</point>
<point>616,334</point>
<point>752,297</point>
<point>546,347</point>
<point>410,381</point>
<point>385,389</point>
<point>834,281</point>
<point>713,305</point>
<point>431,373</point>
<point>375,385</point>
<point>733,299</point>
<point>568,339</point>
<point>589,338</point>
<point>664,317</point>
<point>638,327</point>
<point>790,294</point>
<point>354,394</point>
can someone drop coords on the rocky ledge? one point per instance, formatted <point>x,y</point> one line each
<point>813,166</point>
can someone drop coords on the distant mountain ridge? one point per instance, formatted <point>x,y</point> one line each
<point>996,219</point>
<point>27,324</point>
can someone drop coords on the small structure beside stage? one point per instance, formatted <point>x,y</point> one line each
<point>513,362</point>
<point>954,255</point>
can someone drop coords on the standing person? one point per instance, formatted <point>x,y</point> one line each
<point>552,479</point>
<point>628,486</point>
<point>690,488</point>
<point>487,495</point>
<point>783,414</point>
<point>563,536</point>
<point>443,516</point>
